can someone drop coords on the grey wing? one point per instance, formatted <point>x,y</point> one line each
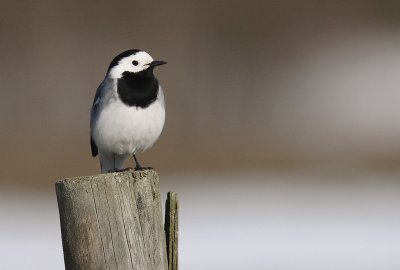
<point>95,111</point>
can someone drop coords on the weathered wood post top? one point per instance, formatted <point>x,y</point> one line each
<point>114,221</point>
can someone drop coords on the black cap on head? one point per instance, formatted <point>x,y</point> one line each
<point>117,58</point>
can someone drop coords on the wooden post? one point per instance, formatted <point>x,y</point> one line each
<point>171,229</point>
<point>112,221</point>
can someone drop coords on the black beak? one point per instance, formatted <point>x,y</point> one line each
<point>157,63</point>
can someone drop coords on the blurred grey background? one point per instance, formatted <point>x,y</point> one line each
<point>282,130</point>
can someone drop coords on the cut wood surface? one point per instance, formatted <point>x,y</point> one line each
<point>112,221</point>
<point>171,229</point>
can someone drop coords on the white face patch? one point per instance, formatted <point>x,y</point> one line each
<point>133,63</point>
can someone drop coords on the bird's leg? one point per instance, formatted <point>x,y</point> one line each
<point>138,167</point>
<point>115,169</point>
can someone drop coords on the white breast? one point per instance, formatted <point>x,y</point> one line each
<point>122,129</point>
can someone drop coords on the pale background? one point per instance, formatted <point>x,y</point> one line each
<point>282,134</point>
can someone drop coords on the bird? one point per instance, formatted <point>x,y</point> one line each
<point>128,111</point>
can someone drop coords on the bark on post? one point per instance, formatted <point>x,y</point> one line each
<point>112,221</point>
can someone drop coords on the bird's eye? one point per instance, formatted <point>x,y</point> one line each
<point>135,63</point>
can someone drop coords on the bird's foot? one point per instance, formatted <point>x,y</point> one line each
<point>121,170</point>
<point>113,170</point>
<point>140,168</point>
<point>126,169</point>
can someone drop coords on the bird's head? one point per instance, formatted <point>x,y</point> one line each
<point>132,61</point>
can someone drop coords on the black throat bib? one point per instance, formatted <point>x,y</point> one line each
<point>138,89</point>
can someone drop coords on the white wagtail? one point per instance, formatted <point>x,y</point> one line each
<point>128,110</point>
